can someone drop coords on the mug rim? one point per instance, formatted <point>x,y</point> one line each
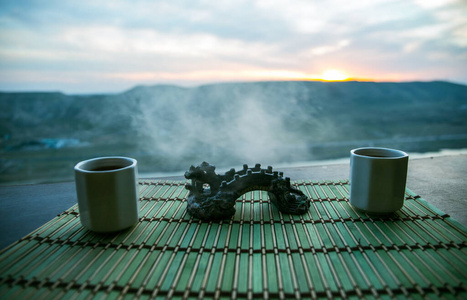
<point>378,153</point>
<point>105,161</point>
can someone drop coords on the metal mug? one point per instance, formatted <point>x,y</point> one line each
<point>107,193</point>
<point>378,179</point>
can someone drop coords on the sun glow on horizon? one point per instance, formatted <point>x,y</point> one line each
<point>210,76</point>
<point>334,75</point>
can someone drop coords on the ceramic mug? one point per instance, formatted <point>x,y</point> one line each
<point>107,191</point>
<point>378,179</point>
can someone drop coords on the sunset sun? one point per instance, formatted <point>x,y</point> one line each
<point>334,75</point>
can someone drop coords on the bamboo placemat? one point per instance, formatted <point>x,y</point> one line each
<point>333,251</point>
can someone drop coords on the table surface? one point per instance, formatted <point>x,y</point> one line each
<point>333,250</point>
<point>441,180</point>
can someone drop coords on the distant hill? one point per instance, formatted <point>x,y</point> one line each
<point>168,128</point>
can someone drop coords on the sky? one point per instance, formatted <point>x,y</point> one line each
<point>94,46</point>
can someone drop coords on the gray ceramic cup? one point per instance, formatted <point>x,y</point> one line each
<point>378,179</point>
<point>107,193</point>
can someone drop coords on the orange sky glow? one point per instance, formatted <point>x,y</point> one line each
<point>112,48</point>
<point>207,76</point>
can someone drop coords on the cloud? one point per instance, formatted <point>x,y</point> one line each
<point>434,4</point>
<point>326,49</point>
<point>175,41</point>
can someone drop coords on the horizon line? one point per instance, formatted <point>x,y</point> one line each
<point>188,86</point>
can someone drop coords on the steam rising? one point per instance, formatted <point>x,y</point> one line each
<point>271,122</point>
<point>222,128</point>
<point>169,128</point>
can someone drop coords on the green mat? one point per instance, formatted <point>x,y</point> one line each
<point>332,252</point>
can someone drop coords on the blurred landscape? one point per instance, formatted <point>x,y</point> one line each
<point>168,128</point>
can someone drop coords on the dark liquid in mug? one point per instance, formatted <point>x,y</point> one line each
<point>107,168</point>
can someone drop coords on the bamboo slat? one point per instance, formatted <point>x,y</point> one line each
<point>332,251</point>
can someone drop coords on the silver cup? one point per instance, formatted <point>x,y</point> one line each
<point>107,193</point>
<point>378,179</point>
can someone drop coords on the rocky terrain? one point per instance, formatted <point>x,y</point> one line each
<point>169,128</point>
